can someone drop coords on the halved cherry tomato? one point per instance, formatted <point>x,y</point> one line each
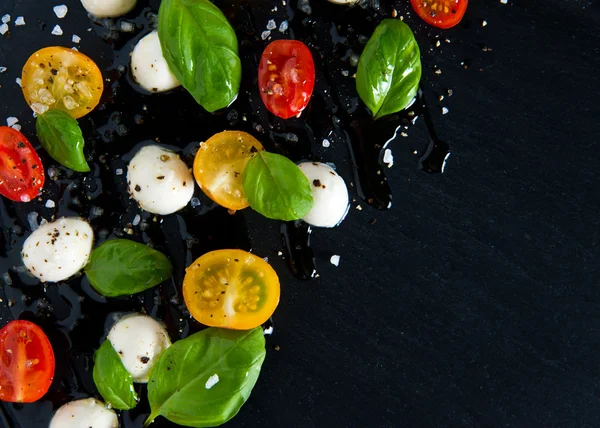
<point>286,77</point>
<point>26,362</point>
<point>21,170</point>
<point>62,78</point>
<point>231,289</point>
<point>440,13</point>
<point>219,164</point>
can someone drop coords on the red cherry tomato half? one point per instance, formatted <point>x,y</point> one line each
<point>21,170</point>
<point>286,77</point>
<point>441,13</point>
<point>26,362</point>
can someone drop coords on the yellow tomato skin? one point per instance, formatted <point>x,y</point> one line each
<point>64,79</point>
<point>231,289</point>
<point>219,164</point>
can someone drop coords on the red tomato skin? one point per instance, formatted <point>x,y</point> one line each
<point>26,362</point>
<point>443,21</point>
<point>21,170</point>
<point>286,77</point>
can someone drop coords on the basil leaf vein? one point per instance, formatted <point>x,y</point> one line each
<point>276,187</point>
<point>205,379</point>
<point>113,381</point>
<point>201,49</point>
<point>389,69</point>
<point>61,136</point>
<point>120,267</point>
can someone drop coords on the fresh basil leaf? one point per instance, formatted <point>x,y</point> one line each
<point>62,138</point>
<point>113,381</point>
<point>201,49</point>
<point>389,69</point>
<point>121,267</point>
<point>276,187</point>
<point>203,380</point>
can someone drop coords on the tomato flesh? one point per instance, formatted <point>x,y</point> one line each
<point>21,170</point>
<point>26,362</point>
<point>61,78</point>
<point>441,13</point>
<point>286,77</point>
<point>231,289</point>
<point>219,164</point>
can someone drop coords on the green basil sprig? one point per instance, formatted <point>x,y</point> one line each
<point>276,187</point>
<point>389,69</point>
<point>203,380</point>
<point>201,49</point>
<point>112,379</point>
<point>62,138</point>
<point>121,267</point>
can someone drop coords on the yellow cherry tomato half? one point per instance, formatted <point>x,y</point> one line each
<point>61,78</point>
<point>231,289</point>
<point>219,164</point>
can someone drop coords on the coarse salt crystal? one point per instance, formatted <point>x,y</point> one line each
<point>445,110</point>
<point>283,27</point>
<point>359,208</point>
<point>268,330</point>
<point>75,38</point>
<point>18,80</point>
<point>57,31</point>
<point>388,158</point>
<point>3,29</point>
<point>326,143</point>
<point>60,11</point>
<point>212,381</point>
<point>10,121</point>
<point>127,27</point>
<point>2,69</point>
<point>271,25</point>
<point>136,220</point>
<point>20,21</point>
<point>119,171</point>
<point>6,19</point>
<point>345,73</point>
<point>484,23</point>
<point>50,203</point>
<point>335,260</point>
<point>16,127</point>
<point>503,1</point>
<point>265,35</point>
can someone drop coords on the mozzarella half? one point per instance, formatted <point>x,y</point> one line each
<point>159,180</point>
<point>149,66</point>
<point>329,193</point>
<point>139,340</point>
<point>58,250</point>
<point>108,8</point>
<point>86,413</point>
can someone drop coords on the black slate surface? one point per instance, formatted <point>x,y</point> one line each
<point>473,301</point>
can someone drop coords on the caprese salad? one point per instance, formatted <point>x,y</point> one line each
<point>230,291</point>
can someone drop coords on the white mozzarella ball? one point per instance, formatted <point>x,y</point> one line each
<point>149,66</point>
<point>58,250</point>
<point>159,180</point>
<point>329,193</point>
<point>108,8</point>
<point>86,413</point>
<point>139,340</point>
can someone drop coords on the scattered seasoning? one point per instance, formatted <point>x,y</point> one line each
<point>265,34</point>
<point>3,29</point>
<point>283,27</point>
<point>335,260</point>
<point>388,158</point>
<point>60,11</point>
<point>50,203</point>
<point>57,31</point>
<point>75,38</point>
<point>137,188</point>
<point>6,19</point>
<point>483,23</point>
<point>271,25</point>
<point>445,110</point>
<point>10,121</point>
<point>2,69</point>
<point>326,143</point>
<point>19,21</point>
<point>144,360</point>
<point>119,171</point>
<point>359,208</point>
